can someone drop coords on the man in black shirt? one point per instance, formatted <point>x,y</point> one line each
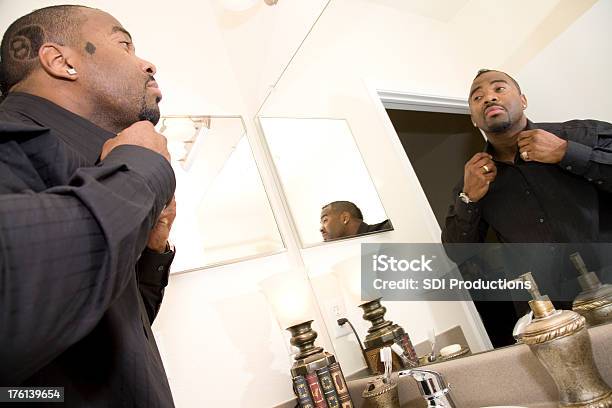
<point>86,206</point>
<point>535,182</point>
<point>342,219</point>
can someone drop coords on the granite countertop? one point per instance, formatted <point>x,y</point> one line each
<point>510,376</point>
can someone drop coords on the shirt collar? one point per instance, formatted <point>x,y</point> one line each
<point>363,228</point>
<point>79,133</point>
<point>489,148</point>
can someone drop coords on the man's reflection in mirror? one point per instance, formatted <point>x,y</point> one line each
<point>341,219</point>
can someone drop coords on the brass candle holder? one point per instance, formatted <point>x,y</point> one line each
<point>310,357</point>
<point>384,333</point>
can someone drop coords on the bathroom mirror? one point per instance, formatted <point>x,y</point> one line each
<point>318,163</point>
<point>223,212</point>
<point>349,76</point>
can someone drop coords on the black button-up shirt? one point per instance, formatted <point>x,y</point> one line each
<point>538,202</point>
<point>78,290</point>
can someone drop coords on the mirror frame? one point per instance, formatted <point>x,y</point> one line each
<point>265,190</point>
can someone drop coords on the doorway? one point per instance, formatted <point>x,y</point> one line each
<point>438,144</point>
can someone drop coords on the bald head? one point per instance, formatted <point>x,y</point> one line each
<point>83,60</point>
<point>23,39</point>
<point>340,219</point>
<point>341,206</point>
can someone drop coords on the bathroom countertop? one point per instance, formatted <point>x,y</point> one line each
<point>509,376</point>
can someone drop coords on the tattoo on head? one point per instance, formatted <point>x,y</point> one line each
<point>26,42</point>
<point>90,48</point>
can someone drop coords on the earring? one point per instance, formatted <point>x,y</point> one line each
<point>71,71</point>
<point>524,106</point>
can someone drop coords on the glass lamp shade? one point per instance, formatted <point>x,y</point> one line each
<point>290,297</point>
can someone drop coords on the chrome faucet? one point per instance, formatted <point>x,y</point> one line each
<point>432,386</point>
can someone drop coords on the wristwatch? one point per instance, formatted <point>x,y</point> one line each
<point>464,197</point>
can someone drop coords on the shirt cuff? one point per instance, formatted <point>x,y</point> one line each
<point>154,268</point>
<point>152,166</point>
<point>577,157</point>
<point>467,212</point>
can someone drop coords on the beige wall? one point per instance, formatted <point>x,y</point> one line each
<point>570,78</point>
<point>220,341</point>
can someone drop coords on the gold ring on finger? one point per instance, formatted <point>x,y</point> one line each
<point>485,169</point>
<point>525,156</point>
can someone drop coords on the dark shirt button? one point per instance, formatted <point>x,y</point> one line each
<point>469,211</point>
<point>527,192</point>
<point>541,219</point>
<point>160,269</point>
<point>590,179</point>
<point>464,233</point>
<point>599,182</point>
<point>568,167</point>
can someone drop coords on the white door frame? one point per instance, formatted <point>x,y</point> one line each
<point>421,102</point>
<point>391,97</point>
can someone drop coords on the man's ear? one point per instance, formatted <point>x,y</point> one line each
<point>56,60</point>
<point>345,217</point>
<point>472,118</point>
<point>524,101</point>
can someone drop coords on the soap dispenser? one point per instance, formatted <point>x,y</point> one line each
<point>561,342</point>
<point>595,300</point>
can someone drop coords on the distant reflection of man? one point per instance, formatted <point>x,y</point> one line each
<point>341,219</point>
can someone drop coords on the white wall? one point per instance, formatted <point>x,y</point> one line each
<point>215,326</point>
<point>221,343</point>
<point>191,59</point>
<point>570,78</point>
<point>261,40</point>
